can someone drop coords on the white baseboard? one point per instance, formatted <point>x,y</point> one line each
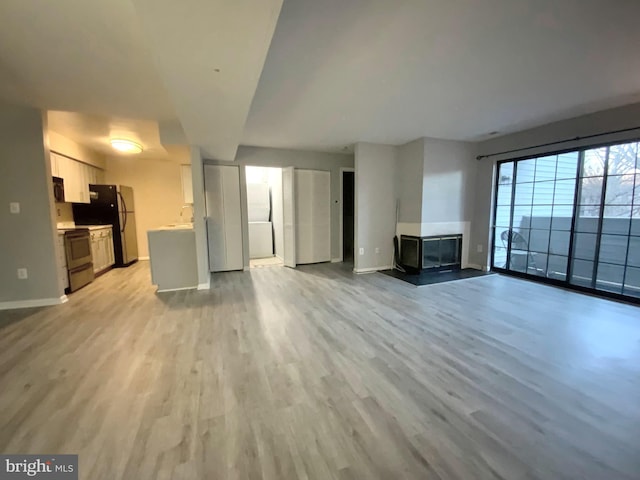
<point>475,266</point>
<point>372,269</point>
<point>39,302</point>
<point>177,289</point>
<point>204,286</point>
<point>143,258</point>
<point>336,260</point>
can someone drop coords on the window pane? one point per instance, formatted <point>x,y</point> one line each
<point>518,261</point>
<point>564,192</point>
<point>609,277</point>
<point>539,241</point>
<point>593,165</point>
<point>584,246</point>
<point>543,193</point>
<point>546,168</point>
<point>503,215</point>
<point>524,194</point>
<point>506,173</point>
<point>617,219</point>
<point>622,159</point>
<point>522,216</point>
<point>632,282</point>
<point>541,217</point>
<point>619,190</point>
<point>559,242</point>
<point>587,220</point>
<point>504,195</point>
<point>581,273</point>
<point>526,171</point>
<point>633,256</point>
<point>537,264</point>
<point>567,165</point>
<point>499,257</point>
<point>635,220</point>
<point>590,191</point>
<point>557,267</point>
<point>613,249</point>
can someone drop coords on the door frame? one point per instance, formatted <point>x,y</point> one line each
<point>341,215</point>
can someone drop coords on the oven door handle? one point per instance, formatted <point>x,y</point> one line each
<point>124,212</point>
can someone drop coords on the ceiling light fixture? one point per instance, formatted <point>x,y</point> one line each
<point>126,146</point>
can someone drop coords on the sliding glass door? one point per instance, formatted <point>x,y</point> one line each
<point>572,217</point>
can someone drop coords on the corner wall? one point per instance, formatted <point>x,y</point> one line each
<point>375,206</point>
<point>28,239</point>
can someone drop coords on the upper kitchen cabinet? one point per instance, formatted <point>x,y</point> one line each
<point>76,175</point>
<point>187,183</point>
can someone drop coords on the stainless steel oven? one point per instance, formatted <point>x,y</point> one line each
<point>77,244</point>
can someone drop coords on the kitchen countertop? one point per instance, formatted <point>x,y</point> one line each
<point>172,227</point>
<point>77,227</point>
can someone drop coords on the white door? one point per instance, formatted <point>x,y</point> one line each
<point>313,216</point>
<point>289,216</point>
<point>224,222</point>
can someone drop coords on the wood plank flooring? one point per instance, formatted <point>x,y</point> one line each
<point>316,373</point>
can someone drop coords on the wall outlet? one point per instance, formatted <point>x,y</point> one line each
<point>14,207</point>
<point>22,274</point>
<point>377,250</point>
<point>361,251</point>
<point>479,248</point>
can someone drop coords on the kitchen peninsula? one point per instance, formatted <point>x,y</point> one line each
<point>172,254</point>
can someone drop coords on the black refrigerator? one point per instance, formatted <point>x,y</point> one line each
<point>112,205</point>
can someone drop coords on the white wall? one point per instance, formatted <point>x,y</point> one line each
<point>409,179</point>
<point>276,157</point>
<point>375,205</point>
<point>28,239</point>
<point>600,122</point>
<point>157,192</point>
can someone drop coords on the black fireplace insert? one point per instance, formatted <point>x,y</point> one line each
<point>437,253</point>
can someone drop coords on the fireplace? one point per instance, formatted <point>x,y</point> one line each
<point>436,253</point>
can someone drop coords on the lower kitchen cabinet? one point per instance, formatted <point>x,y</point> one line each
<point>102,248</point>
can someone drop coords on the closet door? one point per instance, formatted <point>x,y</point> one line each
<point>313,216</point>
<point>289,216</point>
<point>224,228</point>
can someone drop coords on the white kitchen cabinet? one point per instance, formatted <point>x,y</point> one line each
<point>102,248</point>
<point>77,176</point>
<point>187,183</point>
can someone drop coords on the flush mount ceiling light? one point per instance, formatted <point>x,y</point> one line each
<point>126,146</point>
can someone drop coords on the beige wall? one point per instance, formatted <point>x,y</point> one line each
<point>157,192</point>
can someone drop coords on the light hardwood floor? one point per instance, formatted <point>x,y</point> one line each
<point>319,374</point>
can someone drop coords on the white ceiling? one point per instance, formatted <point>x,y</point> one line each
<point>95,131</point>
<point>140,59</point>
<point>388,71</point>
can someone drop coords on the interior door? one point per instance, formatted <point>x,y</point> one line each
<point>289,216</point>
<point>313,216</point>
<point>224,224</point>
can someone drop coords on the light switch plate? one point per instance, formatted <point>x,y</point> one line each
<point>361,251</point>
<point>22,274</point>
<point>14,207</point>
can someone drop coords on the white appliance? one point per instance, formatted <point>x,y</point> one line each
<point>260,226</point>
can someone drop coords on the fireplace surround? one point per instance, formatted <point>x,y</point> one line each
<point>433,253</point>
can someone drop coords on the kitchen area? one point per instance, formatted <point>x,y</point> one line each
<point>102,222</point>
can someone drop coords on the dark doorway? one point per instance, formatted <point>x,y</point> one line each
<point>348,215</point>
